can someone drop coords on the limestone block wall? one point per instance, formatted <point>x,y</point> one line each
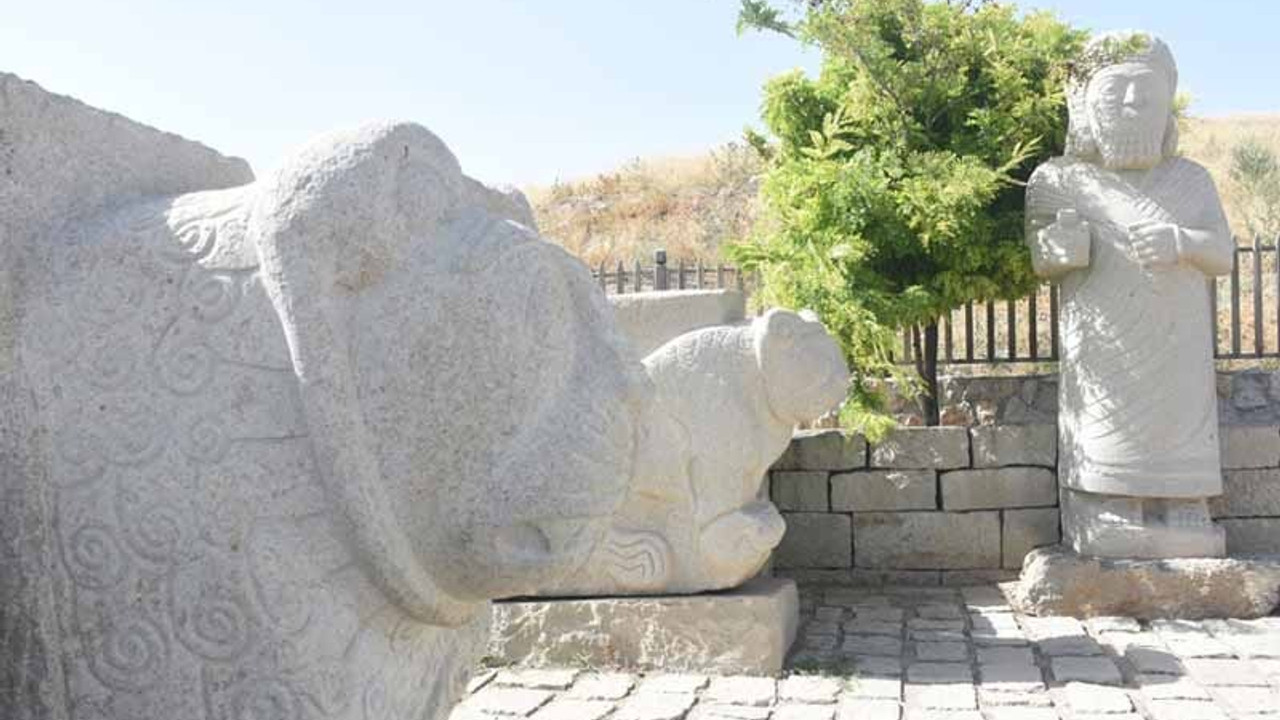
<point>956,505</point>
<point>926,505</point>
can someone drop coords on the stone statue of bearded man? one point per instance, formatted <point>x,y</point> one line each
<point>1132,233</point>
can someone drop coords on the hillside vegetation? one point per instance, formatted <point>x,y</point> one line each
<point>692,206</point>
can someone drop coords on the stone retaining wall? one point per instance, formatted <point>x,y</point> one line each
<point>956,505</point>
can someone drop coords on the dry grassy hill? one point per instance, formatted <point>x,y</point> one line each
<point>690,206</point>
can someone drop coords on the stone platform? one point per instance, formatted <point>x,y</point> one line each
<point>1056,581</point>
<point>744,630</point>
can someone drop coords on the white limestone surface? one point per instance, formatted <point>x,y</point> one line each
<point>1132,232</point>
<point>697,516</point>
<point>651,319</point>
<point>271,447</point>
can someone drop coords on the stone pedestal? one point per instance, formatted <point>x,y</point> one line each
<point>1057,581</point>
<point>744,630</point>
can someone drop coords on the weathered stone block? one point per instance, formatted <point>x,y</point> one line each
<point>824,450</point>
<point>1252,536</point>
<point>999,445</point>
<point>748,629</point>
<point>870,490</point>
<point>927,540</point>
<point>999,488</point>
<point>1025,530</point>
<point>803,490</point>
<point>815,540</point>
<point>1245,446</point>
<point>1248,493</point>
<point>941,448</point>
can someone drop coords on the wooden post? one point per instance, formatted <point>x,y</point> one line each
<point>637,277</point>
<point>991,330</point>
<point>720,276</point>
<point>1011,327</point>
<point>1032,323</point>
<point>680,277</point>
<point>1235,303</point>
<point>968,331</point>
<point>1258,343</point>
<point>620,282</point>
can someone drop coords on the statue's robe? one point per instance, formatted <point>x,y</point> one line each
<point>1138,406</point>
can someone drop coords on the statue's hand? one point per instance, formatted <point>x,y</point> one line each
<point>1063,245</point>
<point>1154,244</point>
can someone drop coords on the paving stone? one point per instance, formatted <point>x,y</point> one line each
<point>879,666</point>
<point>1005,656</point>
<point>871,490</point>
<point>1225,672</point>
<point>940,611</point>
<point>1184,710</point>
<point>742,690</point>
<point>942,696</point>
<point>799,490</point>
<point>1153,661</point>
<point>1199,647</point>
<point>1079,646</point>
<point>519,701</point>
<point>480,680</point>
<point>680,683</point>
<point>1165,687</point>
<point>860,709</point>
<point>799,711</point>
<point>705,711</point>
<point>1099,625</point>
<point>985,598</point>
<point>1088,698</point>
<point>1099,670</point>
<point>538,678</point>
<point>879,613</point>
<point>883,688</point>
<point>941,651</point>
<point>809,689</point>
<point>574,710</point>
<point>820,642</point>
<point>859,626</point>
<point>872,645</point>
<point>932,624</point>
<point>1035,697</point>
<point>926,672</point>
<point>655,706</point>
<point>937,635</point>
<point>1248,700</point>
<point>1011,677</point>
<point>602,686</point>
<point>1021,713</point>
<point>931,714</point>
<point>996,630</point>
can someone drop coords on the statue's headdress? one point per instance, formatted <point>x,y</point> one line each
<point>1104,51</point>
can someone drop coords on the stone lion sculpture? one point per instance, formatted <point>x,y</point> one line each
<point>270,448</point>
<point>728,399</point>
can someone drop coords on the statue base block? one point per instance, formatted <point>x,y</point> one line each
<point>747,629</point>
<point>1057,581</point>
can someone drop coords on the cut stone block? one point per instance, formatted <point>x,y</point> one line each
<point>747,630</point>
<point>655,706</point>
<point>939,448</point>
<point>651,319</point>
<point>815,540</point>
<point>999,445</point>
<point>824,450</point>
<point>1025,530</point>
<point>802,490</point>
<point>1056,581</point>
<point>574,710</point>
<point>495,700</point>
<point>1252,536</point>
<point>743,690</point>
<point>871,490</point>
<point>1098,669</point>
<point>927,540</point>
<point>1244,446</point>
<point>991,488</point>
<point>602,686</point>
<point>1248,493</point>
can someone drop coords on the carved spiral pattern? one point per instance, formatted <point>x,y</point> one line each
<point>109,366</point>
<point>268,700</point>
<point>184,367</point>
<point>155,532</point>
<point>206,440</point>
<point>213,296</point>
<point>130,655</point>
<point>192,242</point>
<point>93,558</point>
<point>110,298</point>
<point>80,457</point>
<point>134,433</point>
<point>215,628</point>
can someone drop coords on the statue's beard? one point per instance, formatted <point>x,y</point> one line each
<point>1131,148</point>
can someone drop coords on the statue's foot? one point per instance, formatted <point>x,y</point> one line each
<point>1132,527</point>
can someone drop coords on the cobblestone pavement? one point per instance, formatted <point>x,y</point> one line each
<point>934,653</point>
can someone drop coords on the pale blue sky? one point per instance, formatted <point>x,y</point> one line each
<point>522,91</point>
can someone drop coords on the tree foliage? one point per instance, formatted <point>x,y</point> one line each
<point>894,192</point>
<point>1255,172</point>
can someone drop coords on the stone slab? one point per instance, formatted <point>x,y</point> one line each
<point>1056,581</point>
<point>744,630</point>
<point>824,449</point>
<point>815,540</point>
<point>650,319</point>
<point>1246,446</point>
<point>927,540</point>
<point>872,490</point>
<point>1025,530</point>
<point>1252,536</point>
<point>1248,493</point>
<point>799,490</point>
<point>942,448</point>
<point>992,488</point>
<point>1000,445</point>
